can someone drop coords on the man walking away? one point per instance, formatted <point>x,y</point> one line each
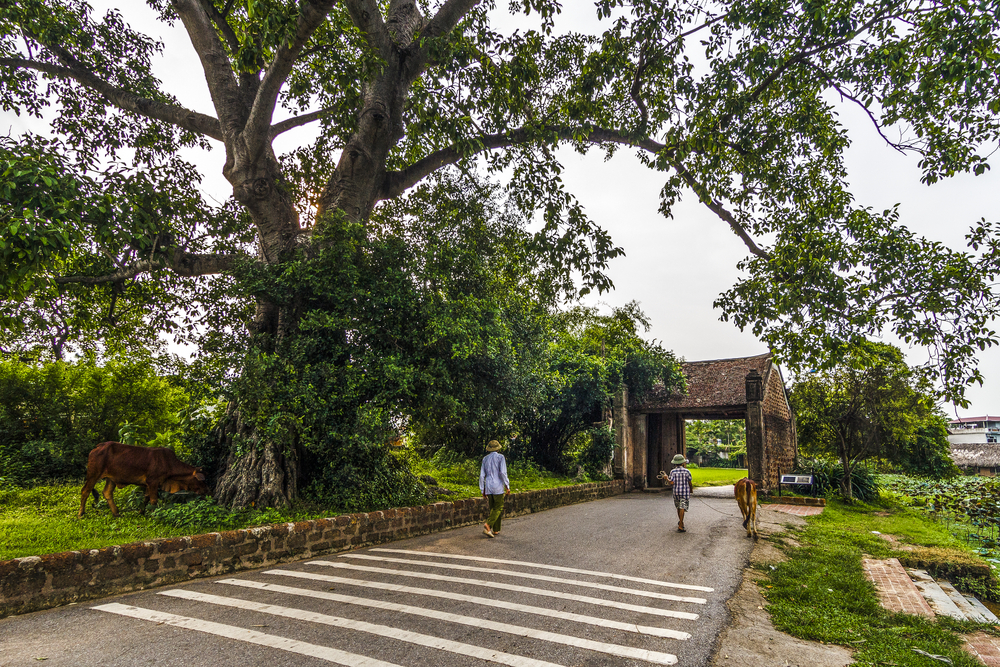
<point>680,479</point>
<point>494,484</point>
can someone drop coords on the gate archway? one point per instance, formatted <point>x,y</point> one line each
<point>650,433</point>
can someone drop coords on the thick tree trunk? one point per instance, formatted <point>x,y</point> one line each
<point>260,472</point>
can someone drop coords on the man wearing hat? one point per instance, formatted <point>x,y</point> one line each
<point>680,479</point>
<point>494,484</point>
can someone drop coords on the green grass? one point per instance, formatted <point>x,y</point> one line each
<point>716,476</point>
<point>462,476</point>
<point>821,593</point>
<point>42,519</point>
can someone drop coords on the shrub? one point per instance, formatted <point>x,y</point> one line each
<point>53,414</point>
<point>827,475</point>
<point>596,455</point>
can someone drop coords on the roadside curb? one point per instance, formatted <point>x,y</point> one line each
<point>794,500</point>
<point>33,583</point>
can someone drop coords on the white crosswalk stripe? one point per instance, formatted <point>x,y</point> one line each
<point>489,602</point>
<point>383,630</point>
<point>507,587</point>
<point>244,635</point>
<point>530,575</point>
<point>556,638</point>
<point>555,568</point>
<point>306,606</point>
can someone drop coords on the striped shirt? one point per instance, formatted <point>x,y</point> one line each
<point>493,474</point>
<point>681,477</point>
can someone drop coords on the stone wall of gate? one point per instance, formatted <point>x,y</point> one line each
<point>779,433</point>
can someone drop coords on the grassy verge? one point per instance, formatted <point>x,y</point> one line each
<point>43,519</point>
<point>822,594</point>
<point>716,476</point>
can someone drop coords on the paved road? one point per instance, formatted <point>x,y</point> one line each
<point>604,583</point>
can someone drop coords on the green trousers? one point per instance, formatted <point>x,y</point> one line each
<point>496,512</point>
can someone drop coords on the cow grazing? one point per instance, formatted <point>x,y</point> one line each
<point>152,467</point>
<point>746,498</point>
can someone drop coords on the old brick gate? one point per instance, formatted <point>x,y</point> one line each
<point>650,433</point>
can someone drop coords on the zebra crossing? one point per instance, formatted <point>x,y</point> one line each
<point>384,600</point>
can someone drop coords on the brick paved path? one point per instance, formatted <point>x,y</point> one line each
<point>984,647</point>
<point>896,591</point>
<point>798,510</point>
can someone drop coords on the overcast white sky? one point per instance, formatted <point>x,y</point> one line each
<point>674,267</point>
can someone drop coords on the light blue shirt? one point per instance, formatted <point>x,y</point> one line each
<point>493,474</point>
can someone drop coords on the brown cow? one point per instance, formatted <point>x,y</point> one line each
<point>151,467</point>
<point>746,498</point>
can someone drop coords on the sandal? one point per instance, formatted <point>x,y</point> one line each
<point>488,532</point>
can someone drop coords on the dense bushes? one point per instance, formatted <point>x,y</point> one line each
<point>591,357</point>
<point>595,457</point>
<point>927,452</point>
<point>828,474</point>
<point>53,414</point>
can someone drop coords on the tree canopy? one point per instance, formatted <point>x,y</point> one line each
<point>873,406</point>
<point>107,237</point>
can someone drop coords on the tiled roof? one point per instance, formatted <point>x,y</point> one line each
<point>966,420</point>
<point>717,383</point>
<point>976,454</point>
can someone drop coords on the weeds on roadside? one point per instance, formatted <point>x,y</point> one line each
<point>42,519</point>
<point>821,593</point>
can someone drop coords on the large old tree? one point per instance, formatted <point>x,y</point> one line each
<point>732,102</point>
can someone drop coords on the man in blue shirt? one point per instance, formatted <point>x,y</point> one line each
<point>680,479</point>
<point>494,484</point>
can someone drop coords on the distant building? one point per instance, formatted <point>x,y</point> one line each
<point>974,430</point>
<point>975,444</point>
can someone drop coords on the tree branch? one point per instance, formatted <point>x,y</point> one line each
<point>801,56</point>
<point>219,74</point>
<point>447,17</point>
<point>192,121</point>
<point>367,16</point>
<point>219,19</point>
<point>312,13</point>
<point>178,261</point>
<point>636,90</point>
<point>716,207</point>
<point>902,148</point>
<point>397,182</point>
<point>704,25</point>
<point>297,121</point>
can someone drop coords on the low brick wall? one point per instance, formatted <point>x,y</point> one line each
<point>40,582</point>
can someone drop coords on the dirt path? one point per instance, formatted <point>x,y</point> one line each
<point>750,639</point>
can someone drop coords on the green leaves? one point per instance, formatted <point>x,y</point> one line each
<point>41,206</point>
<point>872,405</point>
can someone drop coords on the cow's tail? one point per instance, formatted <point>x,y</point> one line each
<point>746,520</point>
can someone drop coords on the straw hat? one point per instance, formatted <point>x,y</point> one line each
<point>494,446</point>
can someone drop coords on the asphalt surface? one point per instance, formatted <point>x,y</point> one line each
<point>363,609</point>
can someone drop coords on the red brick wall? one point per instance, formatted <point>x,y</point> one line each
<point>40,582</point>
<point>779,441</point>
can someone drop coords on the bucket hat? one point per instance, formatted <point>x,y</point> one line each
<point>678,460</point>
<point>493,446</point>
